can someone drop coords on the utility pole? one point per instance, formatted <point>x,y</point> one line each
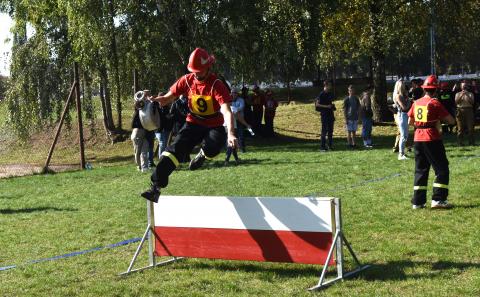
<point>432,41</point>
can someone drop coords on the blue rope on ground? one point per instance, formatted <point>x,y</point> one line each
<point>114,245</point>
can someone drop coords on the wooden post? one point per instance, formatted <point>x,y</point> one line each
<point>79,115</point>
<point>59,128</point>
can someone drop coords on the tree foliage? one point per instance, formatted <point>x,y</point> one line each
<point>266,40</point>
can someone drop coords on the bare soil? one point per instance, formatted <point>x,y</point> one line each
<point>13,170</point>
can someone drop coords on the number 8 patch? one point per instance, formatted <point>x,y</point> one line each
<point>421,113</point>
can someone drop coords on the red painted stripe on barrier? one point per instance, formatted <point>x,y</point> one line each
<point>241,244</point>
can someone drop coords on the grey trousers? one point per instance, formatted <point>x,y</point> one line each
<point>140,147</point>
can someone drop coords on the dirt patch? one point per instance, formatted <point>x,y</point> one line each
<point>12,170</point>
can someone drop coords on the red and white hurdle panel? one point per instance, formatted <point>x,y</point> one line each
<point>294,230</point>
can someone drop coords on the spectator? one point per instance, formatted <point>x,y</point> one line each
<point>400,98</point>
<point>247,111</point>
<point>351,110</point>
<point>476,93</point>
<point>270,107</point>
<point>367,117</point>
<point>465,103</point>
<point>324,105</point>
<point>456,88</point>
<point>238,107</point>
<point>150,137</point>
<point>448,101</point>
<point>163,134</point>
<point>416,92</point>
<point>140,144</point>
<point>258,100</point>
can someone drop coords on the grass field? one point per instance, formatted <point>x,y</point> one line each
<point>413,253</point>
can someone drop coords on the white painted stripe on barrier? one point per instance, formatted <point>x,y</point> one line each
<point>252,213</point>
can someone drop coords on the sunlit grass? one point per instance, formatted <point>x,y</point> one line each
<point>413,253</point>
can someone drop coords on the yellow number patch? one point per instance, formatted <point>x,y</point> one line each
<point>202,105</point>
<point>421,113</point>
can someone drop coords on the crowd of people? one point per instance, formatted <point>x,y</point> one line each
<point>431,107</point>
<point>355,108</point>
<point>201,110</point>
<point>249,108</point>
<point>461,100</point>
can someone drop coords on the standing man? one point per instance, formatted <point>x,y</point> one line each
<point>367,116</point>
<point>465,102</point>
<point>416,92</point>
<point>351,111</point>
<point>324,105</point>
<point>270,107</point>
<point>209,105</point>
<point>258,100</point>
<point>447,100</point>
<point>426,114</point>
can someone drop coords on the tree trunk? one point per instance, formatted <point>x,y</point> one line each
<point>379,97</point>
<point>104,111</point>
<point>114,57</point>
<point>106,101</point>
<point>381,113</point>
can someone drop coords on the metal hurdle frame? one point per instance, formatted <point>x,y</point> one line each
<point>337,246</point>
<point>339,240</point>
<point>149,235</point>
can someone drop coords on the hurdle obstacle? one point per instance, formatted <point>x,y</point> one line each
<point>305,230</point>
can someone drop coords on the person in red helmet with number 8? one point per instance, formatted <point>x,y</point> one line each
<point>209,105</point>
<point>426,114</point>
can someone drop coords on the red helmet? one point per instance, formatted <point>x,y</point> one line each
<point>444,85</point>
<point>430,83</point>
<point>200,60</point>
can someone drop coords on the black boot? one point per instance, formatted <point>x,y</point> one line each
<point>152,194</point>
<point>197,162</point>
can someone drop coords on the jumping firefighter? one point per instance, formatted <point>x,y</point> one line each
<point>426,114</point>
<point>209,103</point>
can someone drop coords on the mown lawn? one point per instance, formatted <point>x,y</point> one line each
<point>413,253</point>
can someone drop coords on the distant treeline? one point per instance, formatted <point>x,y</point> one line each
<point>261,40</point>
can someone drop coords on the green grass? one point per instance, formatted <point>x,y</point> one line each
<point>413,253</point>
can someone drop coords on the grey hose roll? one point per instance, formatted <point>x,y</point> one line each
<point>149,116</point>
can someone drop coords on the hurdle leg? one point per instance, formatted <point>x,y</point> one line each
<point>341,276</point>
<point>322,284</point>
<point>360,267</point>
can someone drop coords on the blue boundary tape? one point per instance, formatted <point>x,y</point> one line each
<point>74,254</point>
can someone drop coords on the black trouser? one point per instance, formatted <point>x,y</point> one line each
<point>269,126</point>
<point>430,153</point>
<point>257,116</point>
<point>213,140</point>
<point>327,130</point>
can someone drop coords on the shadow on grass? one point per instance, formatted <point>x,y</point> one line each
<point>283,142</point>
<point>390,271</point>
<point>34,209</point>
<point>250,162</point>
<point>396,270</point>
<point>294,144</point>
<point>467,206</point>
<point>279,269</point>
<point>115,159</point>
